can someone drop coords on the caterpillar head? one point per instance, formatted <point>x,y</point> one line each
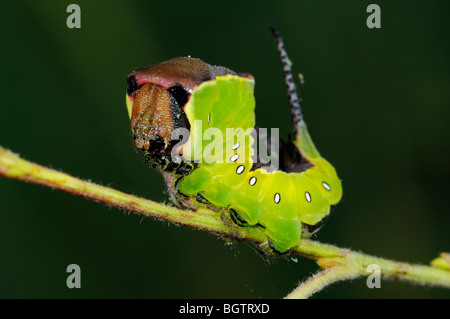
<point>156,97</point>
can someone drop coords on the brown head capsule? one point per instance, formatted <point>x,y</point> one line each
<point>157,95</point>
<point>151,117</point>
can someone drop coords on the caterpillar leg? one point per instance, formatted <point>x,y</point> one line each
<point>275,251</point>
<point>309,230</point>
<point>237,219</point>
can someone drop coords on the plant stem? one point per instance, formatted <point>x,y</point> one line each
<point>351,265</point>
<point>321,280</point>
<point>338,263</point>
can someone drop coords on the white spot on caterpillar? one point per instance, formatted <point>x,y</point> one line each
<point>277,198</point>
<point>252,181</point>
<point>240,169</point>
<point>236,146</point>
<point>308,197</point>
<point>209,117</point>
<point>326,186</point>
<point>234,158</point>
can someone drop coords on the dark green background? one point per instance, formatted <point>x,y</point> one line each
<point>376,102</point>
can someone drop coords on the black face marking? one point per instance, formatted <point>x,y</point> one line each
<point>132,84</point>
<point>238,220</point>
<point>179,94</point>
<point>157,145</point>
<point>158,155</point>
<point>180,120</point>
<point>179,98</point>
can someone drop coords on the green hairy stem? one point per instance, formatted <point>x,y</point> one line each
<point>337,264</point>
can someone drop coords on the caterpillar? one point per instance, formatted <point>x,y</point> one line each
<point>178,106</point>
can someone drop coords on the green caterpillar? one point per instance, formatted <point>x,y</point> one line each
<point>203,101</point>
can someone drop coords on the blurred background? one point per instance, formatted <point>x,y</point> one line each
<point>376,102</point>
